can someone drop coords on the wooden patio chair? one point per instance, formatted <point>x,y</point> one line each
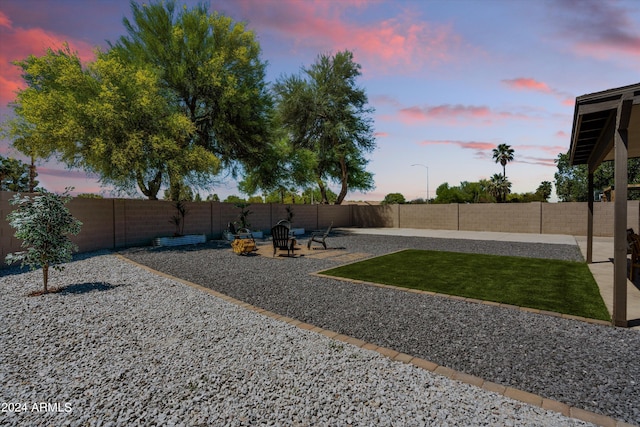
<point>282,239</point>
<point>319,237</point>
<point>284,222</point>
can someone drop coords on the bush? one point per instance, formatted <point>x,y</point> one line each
<point>43,222</point>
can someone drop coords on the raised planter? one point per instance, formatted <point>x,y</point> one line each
<point>189,239</point>
<point>230,237</point>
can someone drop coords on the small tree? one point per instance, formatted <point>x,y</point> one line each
<point>244,215</point>
<point>394,198</point>
<point>178,219</point>
<point>43,222</point>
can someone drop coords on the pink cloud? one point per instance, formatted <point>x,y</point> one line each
<point>528,84</point>
<point>381,134</point>
<point>562,134</point>
<point>453,114</point>
<point>400,41</point>
<point>541,161</point>
<point>468,145</point>
<point>18,43</point>
<point>5,22</point>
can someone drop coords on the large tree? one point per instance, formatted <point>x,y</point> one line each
<point>325,113</point>
<point>211,67</point>
<point>503,154</point>
<point>571,181</point>
<point>110,118</point>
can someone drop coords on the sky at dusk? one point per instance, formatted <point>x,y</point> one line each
<point>449,80</point>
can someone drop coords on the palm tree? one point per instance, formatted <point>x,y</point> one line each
<point>503,154</point>
<point>544,190</point>
<point>499,187</point>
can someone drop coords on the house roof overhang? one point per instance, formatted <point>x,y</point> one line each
<point>594,126</point>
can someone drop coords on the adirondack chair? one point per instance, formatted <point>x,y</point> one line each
<point>319,237</point>
<point>282,239</point>
<point>633,248</point>
<point>284,222</point>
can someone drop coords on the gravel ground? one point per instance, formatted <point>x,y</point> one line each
<point>583,365</point>
<point>121,346</point>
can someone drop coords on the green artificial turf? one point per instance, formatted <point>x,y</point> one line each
<point>560,286</point>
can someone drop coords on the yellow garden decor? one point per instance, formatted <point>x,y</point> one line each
<point>243,246</point>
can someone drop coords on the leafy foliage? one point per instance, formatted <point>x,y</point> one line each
<point>466,192</point>
<point>110,118</point>
<point>499,187</point>
<point>243,219</point>
<point>15,176</point>
<point>171,104</point>
<point>544,191</point>
<point>211,69</point>
<point>394,198</point>
<point>234,199</point>
<point>178,218</point>
<point>43,223</point>
<point>572,181</point>
<point>326,119</point>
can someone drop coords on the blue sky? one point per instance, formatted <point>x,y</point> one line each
<point>449,80</point>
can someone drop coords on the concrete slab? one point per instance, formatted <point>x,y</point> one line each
<point>602,270</point>
<point>560,239</point>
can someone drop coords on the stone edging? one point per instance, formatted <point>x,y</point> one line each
<point>512,393</point>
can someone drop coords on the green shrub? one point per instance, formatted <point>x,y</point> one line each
<point>43,223</point>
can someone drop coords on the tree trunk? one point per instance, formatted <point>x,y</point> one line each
<point>323,193</point>
<point>344,175</point>
<point>32,175</point>
<point>45,277</point>
<point>151,188</point>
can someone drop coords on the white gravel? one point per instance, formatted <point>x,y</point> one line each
<point>124,347</point>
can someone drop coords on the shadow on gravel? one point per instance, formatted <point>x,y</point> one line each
<point>84,288</point>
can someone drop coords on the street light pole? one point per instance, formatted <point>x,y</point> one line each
<point>427,168</point>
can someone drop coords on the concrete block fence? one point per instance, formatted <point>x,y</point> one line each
<point>120,223</point>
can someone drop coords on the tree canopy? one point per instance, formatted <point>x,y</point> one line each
<point>393,199</point>
<point>180,98</point>
<point>326,120</point>
<point>503,154</point>
<point>572,181</point>
<point>212,71</point>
